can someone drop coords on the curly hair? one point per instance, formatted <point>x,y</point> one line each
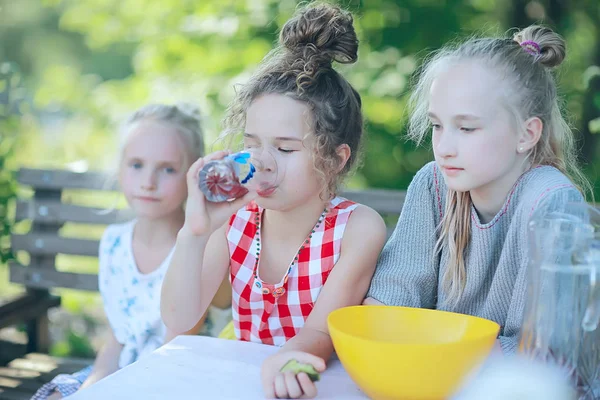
<point>301,67</point>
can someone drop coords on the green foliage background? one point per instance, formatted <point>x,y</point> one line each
<point>83,65</point>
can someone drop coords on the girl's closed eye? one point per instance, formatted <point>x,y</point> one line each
<point>286,151</point>
<point>467,129</point>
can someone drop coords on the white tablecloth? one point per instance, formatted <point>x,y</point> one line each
<point>197,367</point>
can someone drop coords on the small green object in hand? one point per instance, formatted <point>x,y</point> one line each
<point>296,367</point>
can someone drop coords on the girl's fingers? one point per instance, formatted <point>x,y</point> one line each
<point>217,155</point>
<point>293,387</point>
<point>269,389</point>
<point>280,388</point>
<point>241,202</point>
<point>308,358</point>
<point>194,170</point>
<point>308,387</point>
<point>192,175</point>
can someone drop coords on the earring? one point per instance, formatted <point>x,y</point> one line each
<point>520,149</point>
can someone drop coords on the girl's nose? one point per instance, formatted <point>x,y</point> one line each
<point>264,161</point>
<point>149,181</point>
<point>445,145</point>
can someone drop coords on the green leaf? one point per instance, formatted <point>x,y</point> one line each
<point>80,345</point>
<point>60,349</point>
<point>594,125</point>
<point>597,100</point>
<point>592,72</point>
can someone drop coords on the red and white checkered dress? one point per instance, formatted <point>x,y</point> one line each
<point>273,314</point>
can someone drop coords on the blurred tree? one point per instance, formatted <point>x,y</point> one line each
<point>579,22</point>
<point>85,64</point>
<point>9,127</point>
<point>94,61</point>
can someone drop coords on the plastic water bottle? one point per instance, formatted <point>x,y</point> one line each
<point>236,174</point>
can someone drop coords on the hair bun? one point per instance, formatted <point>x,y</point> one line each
<point>323,32</point>
<point>552,45</point>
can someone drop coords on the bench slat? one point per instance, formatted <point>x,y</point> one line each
<point>18,373</point>
<point>56,212</point>
<point>25,308</point>
<point>381,200</point>
<point>48,244</point>
<point>62,179</point>
<point>14,394</point>
<point>46,278</point>
<point>21,386</point>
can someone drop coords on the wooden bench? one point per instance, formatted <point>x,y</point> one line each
<point>52,214</point>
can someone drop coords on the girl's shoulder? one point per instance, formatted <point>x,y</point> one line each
<point>115,234</point>
<point>544,185</point>
<point>342,204</point>
<point>543,178</point>
<point>114,250</point>
<point>357,215</point>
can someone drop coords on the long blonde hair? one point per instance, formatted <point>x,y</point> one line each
<point>529,90</point>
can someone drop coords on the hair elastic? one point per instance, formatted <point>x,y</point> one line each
<point>531,47</point>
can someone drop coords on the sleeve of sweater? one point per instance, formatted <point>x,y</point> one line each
<point>406,273</point>
<point>549,202</point>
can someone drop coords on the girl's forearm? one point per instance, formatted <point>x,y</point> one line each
<point>180,298</point>
<point>94,377</point>
<point>311,341</point>
<point>106,362</point>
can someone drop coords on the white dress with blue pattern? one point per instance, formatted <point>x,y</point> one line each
<point>131,303</point>
<point>131,299</point>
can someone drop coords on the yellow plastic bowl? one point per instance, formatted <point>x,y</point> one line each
<point>409,353</point>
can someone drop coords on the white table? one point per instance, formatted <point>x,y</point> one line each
<point>197,367</point>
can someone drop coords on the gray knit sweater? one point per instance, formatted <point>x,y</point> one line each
<point>496,258</point>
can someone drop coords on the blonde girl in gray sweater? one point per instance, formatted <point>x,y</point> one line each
<point>502,150</point>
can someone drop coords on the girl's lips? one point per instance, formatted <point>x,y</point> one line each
<point>148,199</point>
<point>452,171</point>
<point>266,192</point>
